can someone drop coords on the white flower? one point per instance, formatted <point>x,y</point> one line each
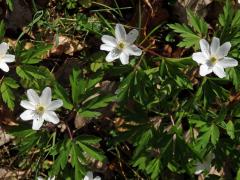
<point>205,165</point>
<point>89,176</point>
<point>40,108</point>
<point>4,57</point>
<point>213,58</point>
<point>122,46</point>
<point>49,178</point>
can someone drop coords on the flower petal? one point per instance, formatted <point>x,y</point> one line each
<point>223,50</point>
<point>37,123</point>
<point>32,96</point>
<point>46,96</point>
<point>204,47</point>
<point>204,70</point>
<point>109,40</point>
<point>88,176</point>
<point>124,58</point>
<point>106,47</point>
<point>214,45</point>
<point>219,71</point>
<point>97,178</point>
<point>132,36</point>
<point>112,55</point>
<point>120,32</point>
<point>227,62</point>
<point>4,66</point>
<point>199,57</point>
<point>3,48</point>
<point>51,116</point>
<point>27,115</point>
<point>8,58</point>
<point>27,105</point>
<point>133,50</point>
<point>54,105</point>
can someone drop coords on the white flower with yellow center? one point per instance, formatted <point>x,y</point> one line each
<point>122,46</point>
<point>89,176</point>
<point>213,58</point>
<point>40,108</point>
<point>4,57</point>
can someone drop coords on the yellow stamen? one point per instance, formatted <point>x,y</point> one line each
<point>213,60</point>
<point>40,109</point>
<point>121,45</point>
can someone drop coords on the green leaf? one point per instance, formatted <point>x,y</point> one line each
<point>88,114</point>
<point>234,75</point>
<point>62,94</point>
<point>88,139</point>
<point>6,90</point>
<point>30,72</point>
<point>190,39</point>
<point>10,4</point>
<point>98,102</point>
<point>230,129</point>
<point>93,152</point>
<point>197,23</point>
<point>76,85</point>
<point>34,54</point>
<point>154,168</point>
<point>214,134</point>
<point>2,29</point>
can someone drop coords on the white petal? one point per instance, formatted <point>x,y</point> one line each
<point>120,32</point>
<point>223,50</point>
<point>54,105</point>
<point>132,36</point>
<point>46,96</point>
<point>88,176</point>
<point>27,105</point>
<point>97,178</point>
<point>8,58</point>
<point>199,58</point>
<point>32,96</point>
<point>124,58</point>
<point>112,55</point>
<point>3,48</point>
<point>219,71</point>
<point>37,123</point>
<point>133,50</point>
<point>204,47</point>
<point>215,45</point>
<point>27,115</point>
<point>4,66</point>
<point>106,47</point>
<point>227,62</point>
<point>51,116</point>
<point>204,70</point>
<point>109,40</point>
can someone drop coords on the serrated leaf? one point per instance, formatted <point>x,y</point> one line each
<point>197,23</point>
<point>62,94</point>
<point>93,152</point>
<point>214,134</point>
<point>6,90</point>
<point>35,54</point>
<point>230,129</point>
<point>30,72</point>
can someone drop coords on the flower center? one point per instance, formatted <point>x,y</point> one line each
<point>40,109</point>
<point>120,45</point>
<point>213,60</point>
